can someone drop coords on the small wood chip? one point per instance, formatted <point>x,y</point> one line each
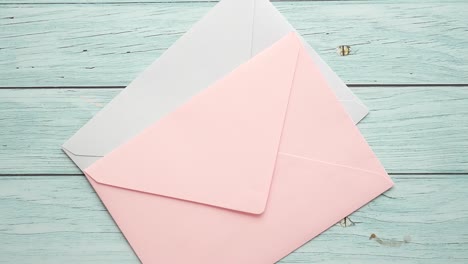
<point>346,222</point>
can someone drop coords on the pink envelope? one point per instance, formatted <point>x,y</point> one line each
<point>246,171</point>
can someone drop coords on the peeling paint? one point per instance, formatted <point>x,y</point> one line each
<point>390,242</point>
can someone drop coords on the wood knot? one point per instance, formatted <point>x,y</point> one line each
<point>344,50</point>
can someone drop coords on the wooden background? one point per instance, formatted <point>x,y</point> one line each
<point>63,60</point>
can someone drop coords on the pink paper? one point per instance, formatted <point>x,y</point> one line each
<point>246,171</point>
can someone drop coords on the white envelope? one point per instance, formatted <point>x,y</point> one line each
<point>229,35</point>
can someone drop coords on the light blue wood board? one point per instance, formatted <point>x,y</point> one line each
<point>189,1</point>
<point>411,129</point>
<point>61,220</point>
<point>109,44</point>
<point>415,131</point>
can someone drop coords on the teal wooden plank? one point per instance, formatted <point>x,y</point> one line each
<point>164,1</point>
<point>411,129</point>
<point>109,44</point>
<point>60,220</point>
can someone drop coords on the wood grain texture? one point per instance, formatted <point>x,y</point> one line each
<point>413,130</point>
<point>61,220</point>
<point>123,1</point>
<point>178,1</point>
<point>109,44</point>
<point>421,130</point>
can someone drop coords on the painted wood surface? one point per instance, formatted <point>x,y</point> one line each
<point>61,220</point>
<point>109,44</point>
<point>411,129</point>
<point>49,213</point>
<point>183,1</point>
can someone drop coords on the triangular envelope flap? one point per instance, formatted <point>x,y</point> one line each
<point>270,25</point>
<point>210,49</point>
<point>330,136</point>
<point>220,147</point>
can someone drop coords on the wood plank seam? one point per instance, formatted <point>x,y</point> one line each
<point>390,173</point>
<point>351,85</point>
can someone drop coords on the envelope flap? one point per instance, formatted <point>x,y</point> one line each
<point>220,147</point>
<point>211,48</point>
<point>270,25</point>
